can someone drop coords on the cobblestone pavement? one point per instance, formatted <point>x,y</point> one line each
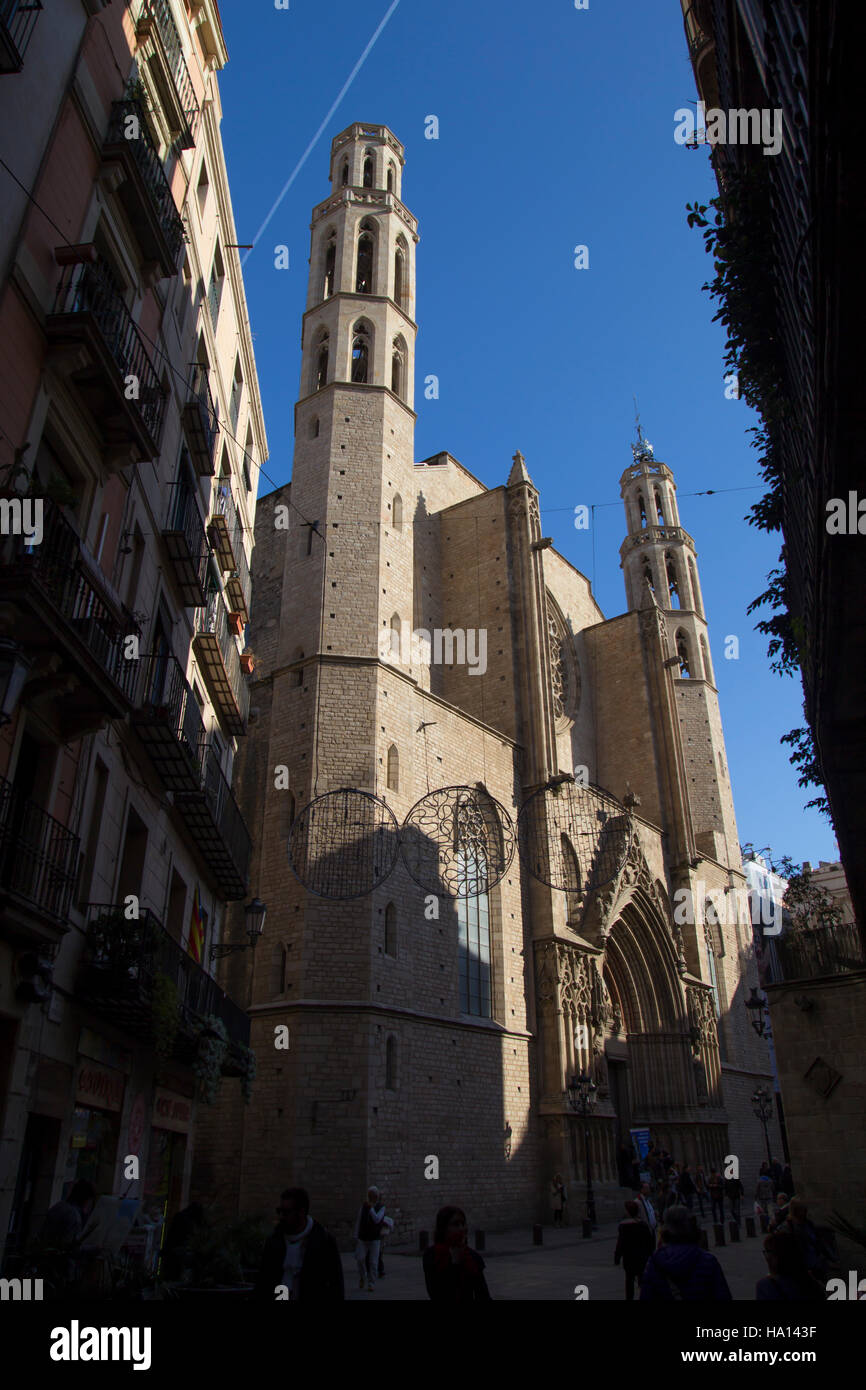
<point>517,1269</point>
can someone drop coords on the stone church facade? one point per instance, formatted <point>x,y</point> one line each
<point>448,1028</point>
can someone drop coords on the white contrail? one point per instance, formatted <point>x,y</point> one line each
<point>343,90</point>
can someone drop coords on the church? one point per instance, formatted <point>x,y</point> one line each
<point>471,976</point>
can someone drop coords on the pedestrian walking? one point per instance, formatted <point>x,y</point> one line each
<point>701,1189</point>
<point>646,1210</point>
<point>734,1191</point>
<point>634,1245</point>
<point>453,1272</point>
<point>789,1279</point>
<point>384,1231</point>
<point>779,1213</point>
<point>559,1197</point>
<point>300,1255</point>
<point>368,1234</point>
<point>680,1269</point>
<point>686,1187</point>
<point>716,1190</point>
<point>788,1180</point>
<point>812,1249</point>
<point>776,1174</point>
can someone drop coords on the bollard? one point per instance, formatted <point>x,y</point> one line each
<point>734,1228</point>
<point>423,1240</point>
<point>750,1226</point>
<point>719,1233</point>
<point>479,1240</point>
<point>537,1235</point>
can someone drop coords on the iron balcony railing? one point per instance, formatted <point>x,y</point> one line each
<point>128,127</point>
<point>89,289</point>
<point>160,12</point>
<point>187,528</point>
<point>17,22</point>
<point>238,582</point>
<point>212,622</point>
<point>165,701</point>
<point>38,855</point>
<point>202,418</point>
<point>124,959</point>
<point>214,295</point>
<point>820,951</point>
<point>226,813</point>
<point>226,525</point>
<point>69,578</point>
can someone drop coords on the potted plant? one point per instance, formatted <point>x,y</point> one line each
<point>211,1048</point>
<point>222,1259</point>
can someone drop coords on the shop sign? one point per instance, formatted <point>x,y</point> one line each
<point>171,1111</point>
<point>100,1087</point>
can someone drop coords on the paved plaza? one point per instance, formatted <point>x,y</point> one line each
<point>517,1269</point>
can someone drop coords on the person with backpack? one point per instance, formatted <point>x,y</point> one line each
<point>680,1269</point>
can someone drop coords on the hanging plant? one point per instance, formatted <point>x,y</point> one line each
<point>165,1015</point>
<point>213,1041</point>
<point>248,1057</point>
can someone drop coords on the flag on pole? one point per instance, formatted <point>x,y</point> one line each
<point>196,929</point>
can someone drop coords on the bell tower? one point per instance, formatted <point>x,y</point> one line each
<point>659,563</point>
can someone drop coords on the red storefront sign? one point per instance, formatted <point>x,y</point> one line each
<point>99,1087</point>
<point>171,1111</point>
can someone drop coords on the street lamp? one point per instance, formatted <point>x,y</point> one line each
<point>758,1005</point>
<point>254,913</point>
<point>581,1091</point>
<point>763,1109</point>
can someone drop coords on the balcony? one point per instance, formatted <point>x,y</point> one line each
<point>98,346</point>
<point>38,866</point>
<point>239,585</point>
<point>169,71</point>
<point>224,527</point>
<point>819,952</point>
<point>143,188</point>
<point>200,418</point>
<point>218,830</point>
<point>169,723</point>
<point>59,606</point>
<point>117,979</point>
<point>17,23</point>
<point>220,663</point>
<point>187,547</point>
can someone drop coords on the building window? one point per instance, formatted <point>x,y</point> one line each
<point>395,636</point>
<point>473,937</point>
<point>366,249</point>
<point>696,598</point>
<point>202,189</point>
<point>344,175</point>
<point>705,657</point>
<point>642,507</point>
<point>391,1064</point>
<point>321,363</point>
<point>397,513</point>
<point>314,427</point>
<point>660,516</point>
<point>648,575</point>
<point>237,392</point>
<point>400,274</point>
<point>361,354</point>
<point>390,930</point>
<point>215,290</point>
<point>368,171</point>
<point>572,881</point>
<point>330,266</point>
<point>393,769</point>
<point>673,586</point>
<point>390,178</point>
<point>683,654</point>
<point>398,368</point>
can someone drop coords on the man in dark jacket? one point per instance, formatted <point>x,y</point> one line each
<point>634,1245</point>
<point>680,1269</point>
<point>300,1256</point>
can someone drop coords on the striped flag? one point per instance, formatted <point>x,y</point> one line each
<point>196,929</point>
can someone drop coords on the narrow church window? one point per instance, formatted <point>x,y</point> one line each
<point>642,506</point>
<point>659,512</point>
<point>400,273</point>
<point>673,586</point>
<point>284,966</point>
<point>397,361</point>
<point>364,276</point>
<point>397,513</point>
<point>390,178</point>
<point>683,654</point>
<point>360,354</point>
<point>393,769</point>
<point>330,264</point>
<point>572,880</point>
<point>395,636</point>
<point>390,930</point>
<point>322,364</point>
<point>696,598</point>
<point>314,427</point>
<point>299,656</point>
<point>705,657</point>
<point>391,1064</point>
<point>648,575</point>
<point>368,171</point>
<point>473,938</point>
<point>344,176</point>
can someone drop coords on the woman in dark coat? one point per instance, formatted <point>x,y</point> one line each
<point>634,1245</point>
<point>453,1272</point>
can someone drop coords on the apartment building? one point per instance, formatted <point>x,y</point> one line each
<point>131,436</point>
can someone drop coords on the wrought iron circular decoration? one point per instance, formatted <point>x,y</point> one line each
<point>573,838</point>
<point>344,844</point>
<point>457,842</point>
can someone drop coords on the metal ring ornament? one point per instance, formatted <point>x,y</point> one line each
<point>457,842</point>
<point>596,826</point>
<point>344,844</point>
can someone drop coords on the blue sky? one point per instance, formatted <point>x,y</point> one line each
<point>555,130</point>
